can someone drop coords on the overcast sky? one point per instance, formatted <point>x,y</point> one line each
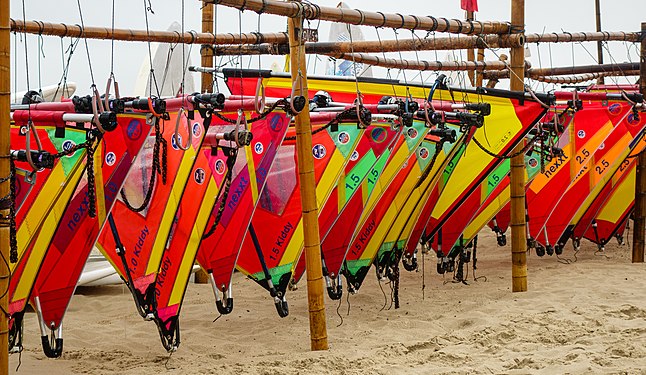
<point>543,15</point>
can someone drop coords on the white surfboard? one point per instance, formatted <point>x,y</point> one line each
<point>52,93</point>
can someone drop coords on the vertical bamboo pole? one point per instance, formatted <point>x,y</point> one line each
<point>640,187</point>
<point>597,7</point>
<point>471,56</point>
<point>5,187</point>
<point>479,75</point>
<point>315,288</point>
<point>206,53</point>
<point>517,183</point>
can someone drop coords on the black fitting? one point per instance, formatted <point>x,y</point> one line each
<point>215,99</point>
<point>108,121</point>
<point>159,105</point>
<point>41,159</point>
<point>446,135</point>
<point>483,108</point>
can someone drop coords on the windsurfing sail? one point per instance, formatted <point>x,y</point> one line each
<point>40,198</point>
<point>74,237</point>
<point>275,238</point>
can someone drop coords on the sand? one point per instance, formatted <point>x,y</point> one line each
<point>584,317</point>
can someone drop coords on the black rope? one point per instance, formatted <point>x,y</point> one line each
<point>223,193</point>
<point>159,167</point>
<point>89,146</point>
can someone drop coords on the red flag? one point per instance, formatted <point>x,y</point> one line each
<point>469,5</point>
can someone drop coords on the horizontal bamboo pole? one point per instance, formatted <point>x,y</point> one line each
<point>600,36</point>
<point>76,31</point>
<point>366,18</point>
<point>534,73</point>
<point>578,78</point>
<point>421,64</point>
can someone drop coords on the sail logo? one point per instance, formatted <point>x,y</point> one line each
<point>632,119</point>
<point>378,135</point>
<point>237,193</point>
<point>281,240</point>
<point>602,146</point>
<point>561,160</point>
<point>141,241</point>
<point>199,176</point>
<point>174,140</point>
<point>580,133</point>
<point>258,148</point>
<point>276,122</point>
<point>614,108</point>
<point>80,212</point>
<point>412,133</point>
<point>319,151</point>
<point>423,153</point>
<point>219,166</point>
<point>363,237</point>
<point>197,130</point>
<point>344,138</point>
<point>133,130</point>
<point>354,156</point>
<point>67,147</point>
<point>110,158</point>
<point>533,163</point>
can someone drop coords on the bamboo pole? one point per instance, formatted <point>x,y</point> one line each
<point>566,37</point>
<point>206,53</point>
<point>597,6</point>
<point>535,73</point>
<point>471,53</point>
<point>5,186</point>
<point>517,177</point>
<point>421,64</point>
<point>315,287</point>
<point>76,31</point>
<point>572,79</point>
<point>479,76</point>
<point>366,18</point>
<point>639,233</point>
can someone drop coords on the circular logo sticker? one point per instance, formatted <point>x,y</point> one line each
<point>614,108</point>
<point>378,135</point>
<point>219,167</point>
<point>354,156</point>
<point>68,145</point>
<point>110,158</point>
<point>319,151</point>
<point>580,134</point>
<point>173,141</point>
<point>344,138</point>
<point>258,148</point>
<point>423,153</point>
<point>200,175</point>
<point>275,122</point>
<point>532,162</point>
<point>632,119</point>
<point>197,130</point>
<point>602,146</point>
<point>133,131</point>
<point>23,130</point>
<point>412,133</point>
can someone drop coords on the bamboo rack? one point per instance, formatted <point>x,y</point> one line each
<point>640,187</point>
<point>366,18</point>
<point>517,166</point>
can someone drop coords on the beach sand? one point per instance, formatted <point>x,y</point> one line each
<point>584,317</point>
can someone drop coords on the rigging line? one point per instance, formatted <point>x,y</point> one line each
<point>390,78</point>
<point>41,53</point>
<point>26,50</point>
<point>66,64</point>
<point>151,77</point>
<point>417,58</point>
<point>112,45</point>
<point>87,49</point>
<point>354,65</point>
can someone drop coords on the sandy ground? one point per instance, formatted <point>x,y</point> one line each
<point>585,317</point>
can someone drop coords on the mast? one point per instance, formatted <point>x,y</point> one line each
<point>517,181</point>
<point>316,303</point>
<point>597,6</point>
<point>206,53</point>
<point>5,186</point>
<point>640,186</point>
